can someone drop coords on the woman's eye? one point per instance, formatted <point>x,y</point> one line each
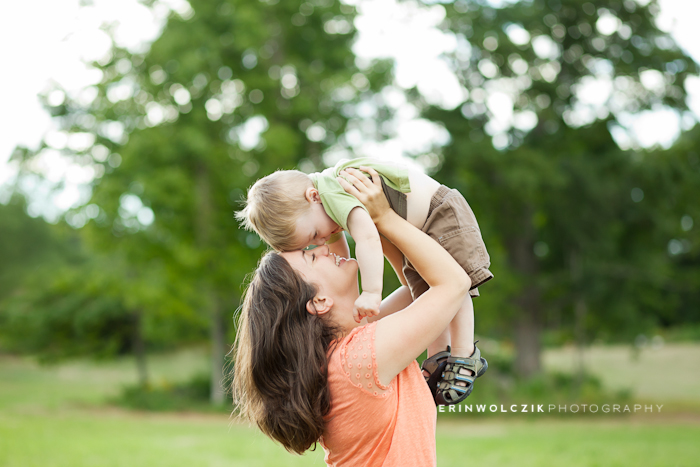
<point>313,257</point>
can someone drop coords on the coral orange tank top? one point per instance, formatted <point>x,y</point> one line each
<point>371,424</point>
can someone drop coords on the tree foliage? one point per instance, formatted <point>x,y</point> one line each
<point>587,239</point>
<point>229,92</point>
<point>559,201</point>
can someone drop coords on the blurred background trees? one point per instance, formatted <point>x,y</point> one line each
<point>590,235</point>
<point>177,135</point>
<point>575,217</point>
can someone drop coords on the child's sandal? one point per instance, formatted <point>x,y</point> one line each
<point>450,393</point>
<point>435,365</point>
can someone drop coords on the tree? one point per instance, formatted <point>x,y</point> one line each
<point>27,243</point>
<point>551,187</point>
<point>231,91</point>
<point>59,300</point>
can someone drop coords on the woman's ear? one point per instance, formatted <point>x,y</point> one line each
<point>312,196</point>
<point>320,305</point>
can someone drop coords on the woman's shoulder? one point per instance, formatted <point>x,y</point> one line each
<point>364,332</point>
<point>355,359</point>
<point>354,340</point>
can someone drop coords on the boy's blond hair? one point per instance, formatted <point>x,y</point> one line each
<point>273,206</point>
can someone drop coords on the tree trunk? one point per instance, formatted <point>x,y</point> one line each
<point>139,349</point>
<point>580,311</point>
<point>528,330</point>
<point>218,333</point>
<point>528,324</point>
<point>216,327</point>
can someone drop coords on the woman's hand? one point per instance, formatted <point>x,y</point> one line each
<point>367,190</point>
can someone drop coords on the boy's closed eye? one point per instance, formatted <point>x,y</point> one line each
<point>312,240</point>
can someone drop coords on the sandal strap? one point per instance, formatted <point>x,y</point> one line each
<point>473,363</point>
<point>459,389</point>
<point>450,393</point>
<point>431,364</point>
<point>450,374</point>
<point>464,378</point>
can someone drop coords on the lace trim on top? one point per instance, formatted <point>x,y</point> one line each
<point>358,360</point>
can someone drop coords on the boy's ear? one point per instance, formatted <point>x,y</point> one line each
<point>320,305</point>
<point>312,196</point>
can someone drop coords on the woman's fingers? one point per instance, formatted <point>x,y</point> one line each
<point>361,177</point>
<point>361,190</point>
<point>353,177</point>
<point>368,191</point>
<point>374,175</point>
<point>349,187</point>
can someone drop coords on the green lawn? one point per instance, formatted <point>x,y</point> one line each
<point>55,417</point>
<point>669,374</point>
<point>79,438</point>
<point>23,382</point>
<point>604,443</point>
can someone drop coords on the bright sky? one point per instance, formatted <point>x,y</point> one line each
<point>49,40</point>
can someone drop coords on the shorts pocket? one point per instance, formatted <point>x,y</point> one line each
<point>467,247</point>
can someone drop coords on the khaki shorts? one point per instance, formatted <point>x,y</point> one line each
<point>452,224</point>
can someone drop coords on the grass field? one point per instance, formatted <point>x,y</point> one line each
<point>56,417</point>
<point>669,374</point>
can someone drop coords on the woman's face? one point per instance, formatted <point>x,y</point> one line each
<point>334,276</point>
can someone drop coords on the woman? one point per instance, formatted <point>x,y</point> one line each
<point>305,371</point>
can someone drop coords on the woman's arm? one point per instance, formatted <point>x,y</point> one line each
<point>403,336</point>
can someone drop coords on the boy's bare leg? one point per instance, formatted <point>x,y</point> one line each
<point>462,330</point>
<point>440,344</point>
<point>459,335</point>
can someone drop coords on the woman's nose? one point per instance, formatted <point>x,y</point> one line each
<point>325,250</point>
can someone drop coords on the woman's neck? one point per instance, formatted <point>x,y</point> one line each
<point>341,316</point>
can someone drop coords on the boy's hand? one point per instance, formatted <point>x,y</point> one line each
<point>366,305</point>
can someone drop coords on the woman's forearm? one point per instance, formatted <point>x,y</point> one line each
<point>396,301</point>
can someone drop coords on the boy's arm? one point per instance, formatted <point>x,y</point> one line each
<point>396,301</point>
<point>395,258</point>
<point>339,246</point>
<point>368,251</point>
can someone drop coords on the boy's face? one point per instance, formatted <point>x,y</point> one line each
<point>314,227</point>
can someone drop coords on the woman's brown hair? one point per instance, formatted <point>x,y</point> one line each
<point>280,379</point>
